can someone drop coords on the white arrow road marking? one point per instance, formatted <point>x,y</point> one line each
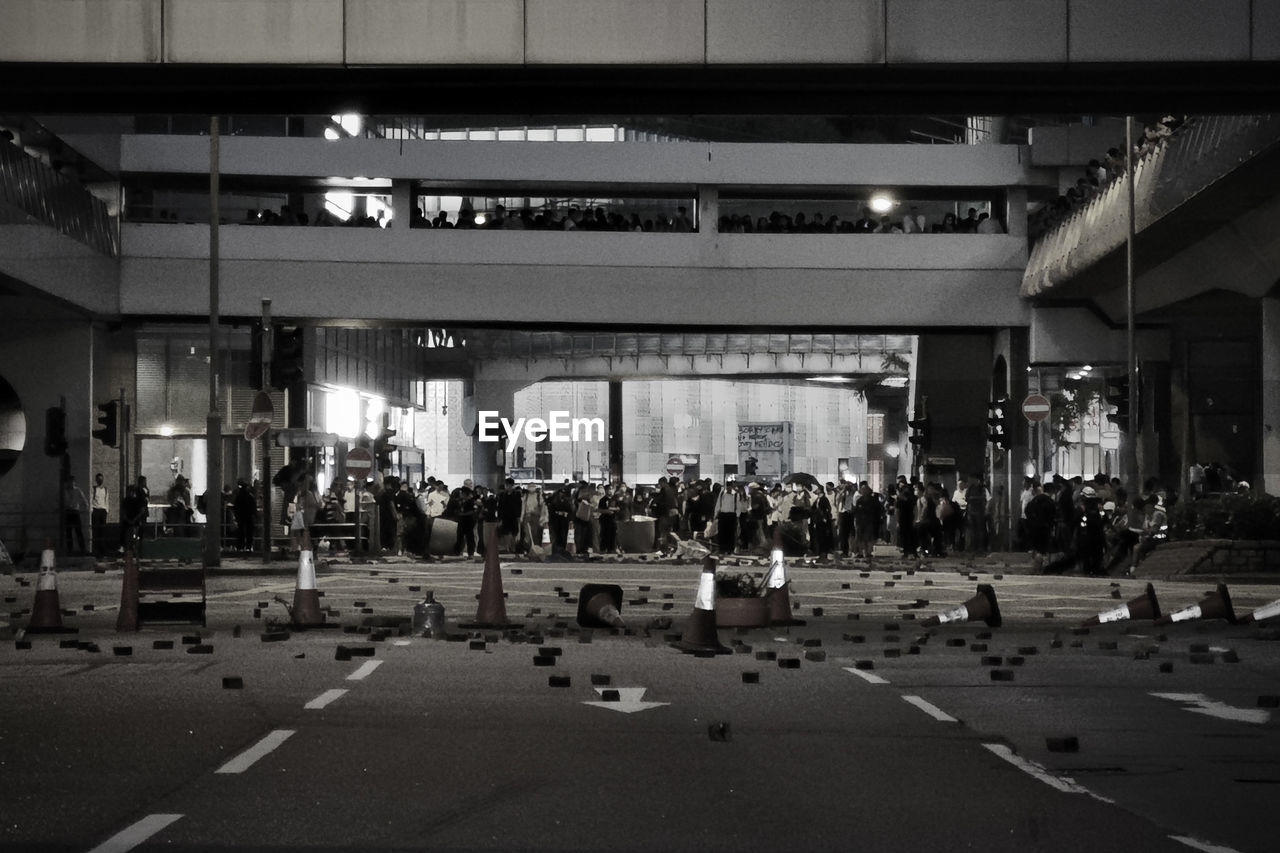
<point>1213,708</point>
<point>869,677</point>
<point>1060,783</point>
<point>365,670</point>
<point>630,700</point>
<point>132,836</point>
<point>324,699</point>
<point>246,759</point>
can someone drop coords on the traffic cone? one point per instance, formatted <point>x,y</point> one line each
<point>600,605</point>
<point>305,612</point>
<point>492,610</point>
<point>46,610</point>
<point>1266,611</point>
<point>1144,606</point>
<point>982,607</point>
<point>700,632</point>
<point>1216,605</point>
<point>127,619</point>
<point>777,592</point>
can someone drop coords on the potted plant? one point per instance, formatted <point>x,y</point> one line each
<point>740,601</point>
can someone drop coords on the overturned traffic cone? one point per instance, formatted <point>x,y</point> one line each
<point>492,609</point>
<point>777,593</point>
<point>982,607</point>
<point>46,610</point>
<point>305,612</point>
<point>1144,606</point>
<point>600,606</point>
<point>127,618</point>
<point>700,632</point>
<point>1216,605</point>
<point>1266,611</point>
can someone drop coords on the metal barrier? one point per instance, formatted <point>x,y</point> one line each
<point>57,201</point>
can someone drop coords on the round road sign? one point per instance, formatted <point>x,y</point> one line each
<point>259,417</point>
<point>359,463</point>
<point>1036,408</point>
<point>675,467</point>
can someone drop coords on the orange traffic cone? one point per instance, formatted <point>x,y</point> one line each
<point>1144,606</point>
<point>777,589</point>
<point>1266,611</point>
<point>700,632</point>
<point>982,607</point>
<point>305,612</point>
<point>1216,605</point>
<point>492,610</point>
<point>127,619</point>
<point>600,606</point>
<point>46,611</point>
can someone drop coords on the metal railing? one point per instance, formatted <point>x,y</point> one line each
<point>1203,152</point>
<point>49,198</point>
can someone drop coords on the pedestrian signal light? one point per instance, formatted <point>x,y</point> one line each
<point>108,424</point>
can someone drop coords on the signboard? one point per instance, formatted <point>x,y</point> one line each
<point>674,467</point>
<point>359,463</point>
<point>305,438</point>
<point>765,449</point>
<point>259,417</point>
<point>1035,408</point>
<point>524,475</point>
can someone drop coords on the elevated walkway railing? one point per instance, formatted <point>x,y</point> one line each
<point>1204,151</point>
<point>47,197</point>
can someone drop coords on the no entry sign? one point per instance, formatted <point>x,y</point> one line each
<point>359,463</point>
<point>1036,408</point>
<point>259,417</point>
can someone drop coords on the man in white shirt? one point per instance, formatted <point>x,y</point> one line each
<point>98,516</point>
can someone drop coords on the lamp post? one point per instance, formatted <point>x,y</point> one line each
<point>213,440</point>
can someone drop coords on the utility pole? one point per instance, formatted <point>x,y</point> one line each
<point>265,367</point>
<point>1131,436</point>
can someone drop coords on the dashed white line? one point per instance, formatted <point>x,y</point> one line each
<point>324,699</point>
<point>1202,845</point>
<point>1059,783</point>
<point>246,759</point>
<point>365,670</point>
<point>132,836</point>
<point>930,709</point>
<point>869,677</point>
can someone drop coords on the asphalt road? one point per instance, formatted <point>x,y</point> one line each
<point>858,730</point>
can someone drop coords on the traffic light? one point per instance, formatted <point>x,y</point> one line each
<point>519,457</point>
<point>55,431</point>
<point>381,448</point>
<point>108,424</point>
<point>286,357</point>
<point>999,424</point>
<point>920,437</point>
<point>1117,396</point>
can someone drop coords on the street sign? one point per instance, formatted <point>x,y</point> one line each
<point>305,438</point>
<point>675,466</point>
<point>359,463</point>
<point>1036,408</point>
<point>259,417</point>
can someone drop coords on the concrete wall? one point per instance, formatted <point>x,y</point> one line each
<point>652,32</point>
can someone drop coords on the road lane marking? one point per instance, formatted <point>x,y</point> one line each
<point>132,836</point>
<point>930,709</point>
<point>366,669</point>
<point>246,759</point>
<point>1202,845</point>
<point>1059,783</point>
<point>869,677</point>
<point>1213,708</point>
<point>630,700</point>
<point>324,699</point>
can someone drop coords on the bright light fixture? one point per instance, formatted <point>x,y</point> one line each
<point>826,378</point>
<point>881,203</point>
<point>166,430</point>
<point>895,382</point>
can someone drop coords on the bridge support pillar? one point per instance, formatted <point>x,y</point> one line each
<point>489,458</point>
<point>1270,397</point>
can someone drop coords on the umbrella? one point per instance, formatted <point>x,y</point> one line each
<point>806,480</point>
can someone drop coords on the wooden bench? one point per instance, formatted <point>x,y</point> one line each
<point>167,595</point>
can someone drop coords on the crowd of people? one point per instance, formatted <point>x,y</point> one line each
<point>1097,174</point>
<point>911,221</point>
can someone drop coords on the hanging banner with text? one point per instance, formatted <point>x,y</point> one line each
<point>765,450</point>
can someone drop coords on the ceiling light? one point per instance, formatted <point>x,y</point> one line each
<point>881,203</point>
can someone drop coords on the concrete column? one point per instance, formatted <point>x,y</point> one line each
<point>488,461</point>
<point>1270,396</point>
<point>1015,211</point>
<point>616,430</point>
<point>708,212</point>
<point>401,207</point>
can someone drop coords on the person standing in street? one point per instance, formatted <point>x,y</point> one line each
<point>98,507</point>
<point>74,506</point>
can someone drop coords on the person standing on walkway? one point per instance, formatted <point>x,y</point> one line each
<point>98,507</point>
<point>74,506</point>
